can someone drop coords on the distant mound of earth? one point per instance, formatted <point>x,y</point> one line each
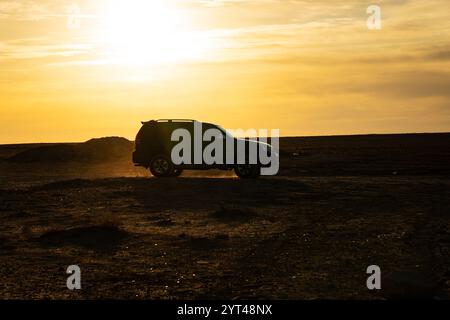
<point>102,149</point>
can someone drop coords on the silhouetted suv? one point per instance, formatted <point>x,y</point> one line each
<point>154,149</point>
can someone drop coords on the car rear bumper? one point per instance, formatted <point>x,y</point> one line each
<point>139,160</point>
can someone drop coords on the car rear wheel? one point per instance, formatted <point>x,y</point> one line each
<point>161,167</point>
<point>246,171</point>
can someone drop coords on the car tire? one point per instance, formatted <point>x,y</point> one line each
<point>256,172</point>
<point>176,172</point>
<point>161,167</point>
<point>246,171</point>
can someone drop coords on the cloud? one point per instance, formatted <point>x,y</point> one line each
<point>24,10</point>
<point>439,55</point>
<point>414,84</point>
<point>36,48</point>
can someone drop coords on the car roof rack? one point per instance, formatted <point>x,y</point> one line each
<point>176,120</point>
<point>169,121</point>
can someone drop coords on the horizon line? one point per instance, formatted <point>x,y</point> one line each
<point>281,137</point>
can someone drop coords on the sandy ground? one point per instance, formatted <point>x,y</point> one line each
<point>296,236</point>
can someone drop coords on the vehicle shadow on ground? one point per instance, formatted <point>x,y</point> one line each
<point>188,193</point>
<point>198,193</point>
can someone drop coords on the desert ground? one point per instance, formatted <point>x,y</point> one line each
<point>338,205</point>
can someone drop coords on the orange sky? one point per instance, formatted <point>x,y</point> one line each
<point>72,70</point>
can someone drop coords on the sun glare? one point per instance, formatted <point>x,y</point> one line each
<point>148,32</point>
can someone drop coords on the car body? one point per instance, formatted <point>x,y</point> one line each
<point>154,144</point>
